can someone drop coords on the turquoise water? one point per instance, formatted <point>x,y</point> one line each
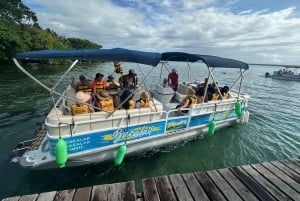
<point>272,133</point>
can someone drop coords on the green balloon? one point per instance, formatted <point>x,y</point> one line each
<point>211,127</point>
<point>61,152</point>
<point>120,154</point>
<point>238,108</point>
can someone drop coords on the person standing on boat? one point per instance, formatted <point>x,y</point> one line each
<point>99,84</point>
<point>129,81</point>
<point>82,85</point>
<point>173,79</point>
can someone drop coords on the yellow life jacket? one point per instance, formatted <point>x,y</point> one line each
<point>107,105</point>
<point>226,96</point>
<point>79,109</point>
<point>193,99</point>
<point>84,88</point>
<point>144,103</point>
<point>131,104</point>
<point>215,97</point>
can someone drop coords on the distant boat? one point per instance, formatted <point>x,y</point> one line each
<point>285,74</point>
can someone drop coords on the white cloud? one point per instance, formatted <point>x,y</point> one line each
<point>189,26</point>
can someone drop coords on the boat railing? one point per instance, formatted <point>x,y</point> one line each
<point>69,124</point>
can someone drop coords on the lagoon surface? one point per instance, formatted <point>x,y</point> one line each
<point>272,133</point>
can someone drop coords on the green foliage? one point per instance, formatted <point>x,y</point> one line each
<point>20,32</point>
<point>16,11</point>
<point>77,43</point>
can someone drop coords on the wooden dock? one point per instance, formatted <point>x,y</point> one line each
<point>275,180</point>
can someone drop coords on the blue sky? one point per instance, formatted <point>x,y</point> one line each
<point>256,31</point>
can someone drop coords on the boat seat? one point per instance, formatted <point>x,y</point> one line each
<point>69,93</point>
<point>182,92</point>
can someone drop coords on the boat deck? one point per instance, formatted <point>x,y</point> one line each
<point>275,180</point>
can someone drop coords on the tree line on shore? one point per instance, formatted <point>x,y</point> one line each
<point>20,31</point>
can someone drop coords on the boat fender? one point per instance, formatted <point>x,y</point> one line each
<point>238,108</point>
<point>61,152</point>
<point>242,117</point>
<point>246,118</point>
<point>212,127</point>
<point>120,155</point>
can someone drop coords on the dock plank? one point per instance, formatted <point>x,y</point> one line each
<point>15,198</point>
<point>150,190</point>
<point>128,191</point>
<point>29,197</point>
<point>222,184</point>
<point>114,192</point>
<point>284,177</point>
<point>291,165</point>
<point>265,184</point>
<point>194,186</point>
<point>251,183</point>
<point>209,187</point>
<point>47,196</point>
<point>179,186</point>
<point>82,194</point>
<point>99,193</point>
<point>236,184</point>
<point>287,170</point>
<point>276,181</point>
<point>65,195</point>
<point>164,188</point>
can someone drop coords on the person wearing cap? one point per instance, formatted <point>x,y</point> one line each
<point>173,79</point>
<point>99,84</point>
<point>82,104</point>
<point>105,101</point>
<point>144,100</point>
<point>82,85</point>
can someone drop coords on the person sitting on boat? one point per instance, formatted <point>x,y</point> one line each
<point>225,92</point>
<point>200,94</point>
<point>188,101</point>
<point>105,101</point>
<point>99,84</point>
<point>144,100</point>
<point>126,100</point>
<point>113,89</point>
<point>82,85</point>
<point>213,92</point>
<point>82,104</point>
<point>173,79</point>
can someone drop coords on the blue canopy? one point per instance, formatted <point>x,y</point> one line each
<point>125,55</point>
<point>210,61</point>
<point>116,54</point>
